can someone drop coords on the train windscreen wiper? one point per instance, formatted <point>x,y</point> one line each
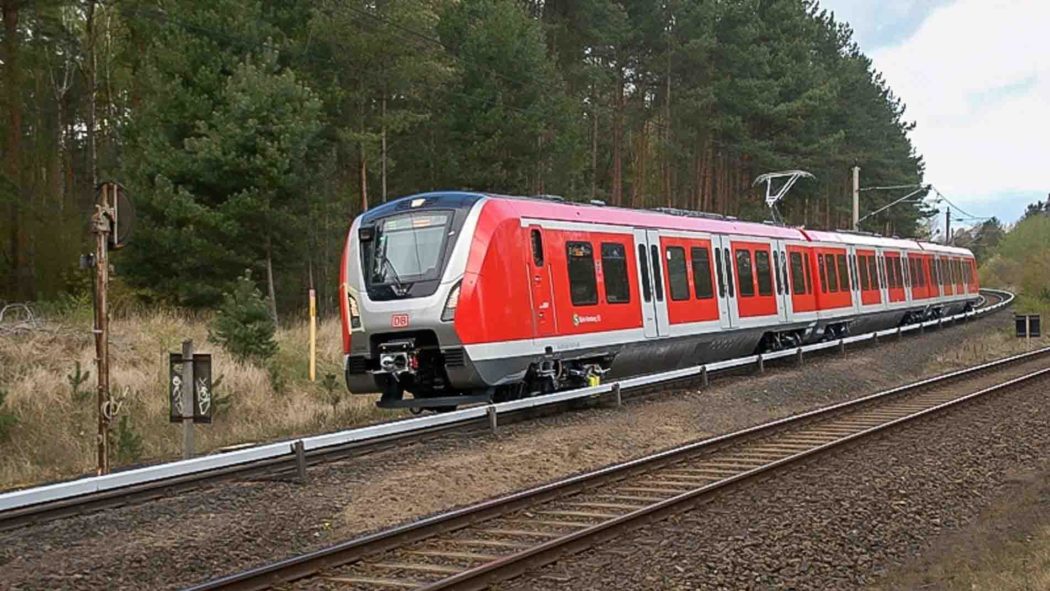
<point>397,286</point>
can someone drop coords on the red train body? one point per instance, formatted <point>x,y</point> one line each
<point>457,297</point>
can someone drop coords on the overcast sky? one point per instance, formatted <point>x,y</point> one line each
<point>975,75</point>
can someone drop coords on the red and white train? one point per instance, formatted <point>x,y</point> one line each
<point>457,297</point>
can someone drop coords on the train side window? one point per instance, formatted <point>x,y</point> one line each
<point>855,280</point>
<point>658,277</point>
<point>583,285</point>
<point>744,273</point>
<point>729,273</point>
<point>762,271</point>
<point>718,271</point>
<point>776,265</point>
<point>677,276</point>
<point>891,272</point>
<point>823,273</point>
<point>798,277</point>
<point>843,272</point>
<point>537,247</point>
<point>701,261</point>
<point>833,279</point>
<point>643,266</point>
<point>809,278</point>
<point>865,281</point>
<point>873,272</point>
<point>784,271</point>
<point>614,270</point>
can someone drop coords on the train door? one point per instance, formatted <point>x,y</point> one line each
<point>728,312</point>
<point>905,271</point>
<point>854,278</point>
<point>880,270</point>
<point>780,275</point>
<point>543,317</point>
<point>650,278</point>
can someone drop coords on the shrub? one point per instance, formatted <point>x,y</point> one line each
<point>333,393</point>
<point>243,325</point>
<point>75,381</point>
<point>7,419</point>
<point>129,443</point>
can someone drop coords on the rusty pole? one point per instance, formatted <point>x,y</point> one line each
<point>101,226</point>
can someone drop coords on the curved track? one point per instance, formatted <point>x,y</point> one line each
<point>475,547</point>
<point>287,464</point>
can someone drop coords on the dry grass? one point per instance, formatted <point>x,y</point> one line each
<point>994,344</point>
<point>1006,549</point>
<point>55,432</point>
<point>1020,565</point>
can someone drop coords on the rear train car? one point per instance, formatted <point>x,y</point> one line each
<point>456,297</point>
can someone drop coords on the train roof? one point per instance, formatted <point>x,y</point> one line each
<point>861,239</point>
<point>553,209</point>
<point>945,249</point>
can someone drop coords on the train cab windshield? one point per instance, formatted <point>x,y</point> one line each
<point>403,250</point>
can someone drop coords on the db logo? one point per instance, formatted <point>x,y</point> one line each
<point>399,320</point>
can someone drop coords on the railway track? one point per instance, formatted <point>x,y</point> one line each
<point>477,546</point>
<point>287,464</point>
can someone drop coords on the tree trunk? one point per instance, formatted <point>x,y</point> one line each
<point>617,141</point>
<point>363,172</point>
<point>709,156</point>
<point>21,279</point>
<point>641,165</point>
<point>382,142</point>
<point>667,163</point>
<point>92,92</point>
<point>269,281</point>
<point>594,145</point>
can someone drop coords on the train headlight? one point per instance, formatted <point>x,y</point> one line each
<point>449,313</point>
<point>355,314</point>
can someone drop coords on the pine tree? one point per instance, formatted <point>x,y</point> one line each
<point>243,325</point>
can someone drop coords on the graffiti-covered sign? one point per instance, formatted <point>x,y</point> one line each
<point>200,390</point>
<point>202,395</point>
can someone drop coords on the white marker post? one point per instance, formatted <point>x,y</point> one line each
<point>187,399</point>
<point>313,335</point>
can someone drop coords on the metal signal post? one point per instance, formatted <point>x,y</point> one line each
<point>101,226</point>
<point>111,224</point>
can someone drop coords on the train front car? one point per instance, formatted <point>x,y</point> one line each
<point>400,283</point>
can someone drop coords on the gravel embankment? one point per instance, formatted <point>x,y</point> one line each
<point>173,542</point>
<point>837,524</point>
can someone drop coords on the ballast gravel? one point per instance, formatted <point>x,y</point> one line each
<point>174,542</point>
<point>833,524</point>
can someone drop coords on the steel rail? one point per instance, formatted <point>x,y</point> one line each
<point>546,553</point>
<point>44,503</point>
<point>398,537</point>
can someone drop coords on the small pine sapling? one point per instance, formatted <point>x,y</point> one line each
<point>76,380</point>
<point>243,325</point>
